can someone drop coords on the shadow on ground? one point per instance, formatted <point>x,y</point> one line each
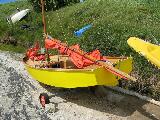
<point>105,100</point>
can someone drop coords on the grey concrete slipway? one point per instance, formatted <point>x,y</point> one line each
<point>19,99</point>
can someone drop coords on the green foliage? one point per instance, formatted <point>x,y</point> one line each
<point>51,4</point>
<point>18,49</point>
<point>24,37</point>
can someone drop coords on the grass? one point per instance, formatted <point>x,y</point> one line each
<point>23,37</point>
<point>114,21</point>
<point>18,49</point>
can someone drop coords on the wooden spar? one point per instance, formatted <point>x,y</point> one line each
<point>44,26</point>
<point>43,17</point>
<point>107,66</point>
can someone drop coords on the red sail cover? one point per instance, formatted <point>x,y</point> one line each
<point>32,53</point>
<point>79,60</point>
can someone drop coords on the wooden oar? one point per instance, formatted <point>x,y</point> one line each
<point>107,66</point>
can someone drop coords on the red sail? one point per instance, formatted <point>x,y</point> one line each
<point>32,53</point>
<point>79,60</point>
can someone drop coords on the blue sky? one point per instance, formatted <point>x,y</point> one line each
<point>6,1</point>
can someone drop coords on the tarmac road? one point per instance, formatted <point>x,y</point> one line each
<point>19,99</point>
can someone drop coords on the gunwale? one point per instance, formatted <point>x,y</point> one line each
<point>113,60</point>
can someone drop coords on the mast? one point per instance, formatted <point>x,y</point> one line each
<point>43,17</point>
<point>44,27</point>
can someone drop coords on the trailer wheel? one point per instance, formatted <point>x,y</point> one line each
<point>44,99</point>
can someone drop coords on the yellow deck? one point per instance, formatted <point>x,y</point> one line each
<point>72,77</point>
<point>148,50</point>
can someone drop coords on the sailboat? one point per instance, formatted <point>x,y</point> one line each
<point>73,67</point>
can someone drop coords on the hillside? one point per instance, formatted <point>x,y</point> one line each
<point>114,21</point>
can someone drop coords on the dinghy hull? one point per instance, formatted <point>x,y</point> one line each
<point>146,49</point>
<point>73,78</point>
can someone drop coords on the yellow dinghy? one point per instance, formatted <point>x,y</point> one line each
<point>148,50</point>
<point>68,76</point>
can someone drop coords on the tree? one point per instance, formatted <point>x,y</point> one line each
<point>50,4</point>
